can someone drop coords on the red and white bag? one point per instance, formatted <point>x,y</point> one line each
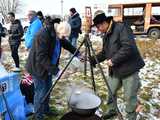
<point>27,79</point>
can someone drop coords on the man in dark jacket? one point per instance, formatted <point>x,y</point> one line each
<point>43,62</point>
<point>123,59</point>
<point>15,34</point>
<point>75,22</point>
<point>2,34</point>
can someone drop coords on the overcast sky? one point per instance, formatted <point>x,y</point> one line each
<point>54,6</point>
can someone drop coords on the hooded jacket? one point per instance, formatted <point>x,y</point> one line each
<point>16,31</point>
<point>32,30</point>
<point>75,22</point>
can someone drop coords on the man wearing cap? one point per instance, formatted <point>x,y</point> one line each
<point>123,59</point>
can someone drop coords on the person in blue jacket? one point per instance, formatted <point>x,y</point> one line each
<point>35,26</point>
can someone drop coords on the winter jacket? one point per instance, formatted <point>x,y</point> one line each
<point>39,62</point>
<point>75,22</point>
<point>15,32</point>
<point>32,30</point>
<point>119,46</point>
<point>2,33</point>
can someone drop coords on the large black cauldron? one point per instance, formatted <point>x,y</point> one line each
<point>84,103</point>
<point>74,116</point>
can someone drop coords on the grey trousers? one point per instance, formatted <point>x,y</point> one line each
<point>130,84</point>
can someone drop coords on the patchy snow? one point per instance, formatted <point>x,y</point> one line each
<point>149,95</point>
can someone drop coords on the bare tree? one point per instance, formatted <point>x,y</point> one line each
<point>9,6</point>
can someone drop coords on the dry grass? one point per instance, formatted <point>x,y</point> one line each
<point>149,48</point>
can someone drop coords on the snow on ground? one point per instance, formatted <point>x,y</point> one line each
<point>149,95</point>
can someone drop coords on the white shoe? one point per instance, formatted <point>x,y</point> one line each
<point>16,69</point>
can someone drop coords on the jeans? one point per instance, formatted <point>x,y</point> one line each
<point>14,53</point>
<point>73,41</point>
<point>41,87</point>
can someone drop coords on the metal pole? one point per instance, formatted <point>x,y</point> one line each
<point>91,67</point>
<point>85,63</point>
<point>62,8</point>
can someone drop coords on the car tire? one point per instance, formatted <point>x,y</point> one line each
<point>154,33</point>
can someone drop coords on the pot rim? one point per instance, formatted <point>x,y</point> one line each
<point>72,107</point>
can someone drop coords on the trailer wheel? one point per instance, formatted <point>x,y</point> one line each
<point>154,33</point>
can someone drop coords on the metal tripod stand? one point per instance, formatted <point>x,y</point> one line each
<point>89,48</point>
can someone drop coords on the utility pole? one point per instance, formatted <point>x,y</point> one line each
<point>62,8</point>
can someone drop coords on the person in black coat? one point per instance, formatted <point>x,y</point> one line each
<point>15,35</point>
<point>2,34</point>
<point>123,59</point>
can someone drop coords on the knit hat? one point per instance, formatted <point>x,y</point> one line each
<point>63,29</point>
<point>99,17</point>
<point>73,10</point>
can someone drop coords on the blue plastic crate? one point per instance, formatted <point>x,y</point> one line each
<point>9,83</point>
<point>16,105</point>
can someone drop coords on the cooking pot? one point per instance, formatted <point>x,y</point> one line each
<point>84,103</point>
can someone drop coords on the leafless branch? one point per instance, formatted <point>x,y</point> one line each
<point>9,6</point>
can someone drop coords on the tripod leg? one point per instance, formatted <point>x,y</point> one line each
<point>85,63</point>
<point>91,67</point>
<point>105,80</point>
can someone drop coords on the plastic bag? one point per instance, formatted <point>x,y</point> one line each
<point>27,79</point>
<point>76,63</point>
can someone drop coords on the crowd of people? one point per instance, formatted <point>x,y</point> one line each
<point>44,38</point>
